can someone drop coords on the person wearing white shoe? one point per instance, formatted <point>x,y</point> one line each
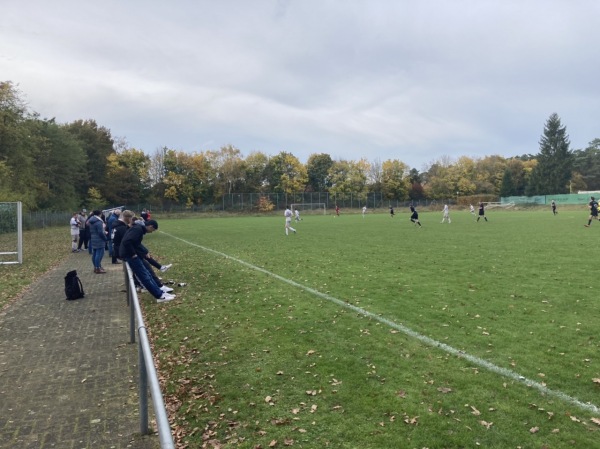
<point>128,251</point>
<point>165,297</point>
<point>166,289</point>
<point>288,221</point>
<point>144,253</point>
<point>446,215</point>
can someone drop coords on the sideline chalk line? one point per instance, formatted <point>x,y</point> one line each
<point>588,406</point>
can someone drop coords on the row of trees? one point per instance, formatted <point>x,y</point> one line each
<point>48,165</point>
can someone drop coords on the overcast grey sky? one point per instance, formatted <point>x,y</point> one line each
<point>375,79</point>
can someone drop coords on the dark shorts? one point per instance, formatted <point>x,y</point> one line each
<point>414,216</point>
<point>481,212</point>
<point>594,213</point>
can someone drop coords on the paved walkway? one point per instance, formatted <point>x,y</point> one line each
<point>68,374</point>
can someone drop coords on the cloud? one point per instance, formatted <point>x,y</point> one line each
<point>375,79</point>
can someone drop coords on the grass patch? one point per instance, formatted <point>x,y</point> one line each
<point>250,360</point>
<point>43,249</point>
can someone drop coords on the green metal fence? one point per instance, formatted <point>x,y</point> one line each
<point>562,199</point>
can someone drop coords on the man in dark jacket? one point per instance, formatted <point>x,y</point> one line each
<point>110,222</point>
<point>119,228</point>
<point>128,251</point>
<point>83,238</point>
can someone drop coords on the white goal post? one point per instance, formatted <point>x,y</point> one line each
<point>500,205</point>
<point>314,207</point>
<point>11,233</point>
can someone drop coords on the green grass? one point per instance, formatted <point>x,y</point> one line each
<point>249,359</point>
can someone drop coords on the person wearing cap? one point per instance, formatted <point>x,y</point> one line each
<point>130,246</point>
<point>82,230</point>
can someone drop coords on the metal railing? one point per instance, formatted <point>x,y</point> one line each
<point>148,381</point>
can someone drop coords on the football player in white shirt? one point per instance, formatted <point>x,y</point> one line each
<point>446,216</point>
<point>288,220</point>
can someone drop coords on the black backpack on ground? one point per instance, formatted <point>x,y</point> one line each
<point>73,287</point>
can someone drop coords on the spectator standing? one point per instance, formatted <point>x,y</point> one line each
<point>112,219</point>
<point>74,223</point>
<point>88,233</point>
<point>97,240</point>
<point>119,229</point>
<point>82,236</point>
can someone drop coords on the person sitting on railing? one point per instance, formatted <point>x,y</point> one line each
<point>145,253</point>
<point>128,251</point>
<point>149,262</point>
<point>121,226</point>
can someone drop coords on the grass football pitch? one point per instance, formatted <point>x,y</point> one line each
<point>373,333</point>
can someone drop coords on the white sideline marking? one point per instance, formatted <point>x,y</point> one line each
<point>588,406</point>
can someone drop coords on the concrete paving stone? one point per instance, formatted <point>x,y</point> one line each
<point>68,375</point>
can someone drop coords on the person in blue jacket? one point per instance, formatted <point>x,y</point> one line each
<point>98,240</point>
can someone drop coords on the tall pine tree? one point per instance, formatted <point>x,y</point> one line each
<point>507,188</point>
<point>555,161</point>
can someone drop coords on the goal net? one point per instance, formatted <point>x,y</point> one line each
<point>499,205</point>
<point>11,233</point>
<point>319,208</point>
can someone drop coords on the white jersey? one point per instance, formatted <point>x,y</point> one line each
<point>445,210</point>
<point>74,226</point>
<point>288,215</point>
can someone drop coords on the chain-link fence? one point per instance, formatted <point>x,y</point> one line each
<point>46,219</point>
<point>252,202</point>
<point>11,233</point>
